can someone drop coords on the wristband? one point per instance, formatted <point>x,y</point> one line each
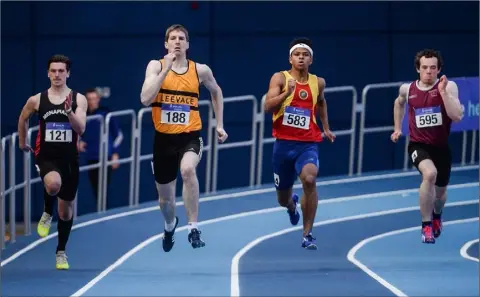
<point>68,111</point>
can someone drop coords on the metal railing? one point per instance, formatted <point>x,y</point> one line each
<point>130,159</point>
<point>350,132</point>
<point>251,143</point>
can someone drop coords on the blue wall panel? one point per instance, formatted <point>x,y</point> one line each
<point>283,17</point>
<point>449,16</point>
<point>15,19</point>
<point>100,18</point>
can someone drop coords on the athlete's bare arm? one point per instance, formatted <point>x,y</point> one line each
<point>399,107</point>
<point>275,96</point>
<point>208,80</point>
<point>154,77</point>
<point>78,119</point>
<point>452,103</point>
<point>322,104</point>
<point>29,108</point>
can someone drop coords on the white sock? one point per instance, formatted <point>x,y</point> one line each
<point>169,226</point>
<point>192,225</point>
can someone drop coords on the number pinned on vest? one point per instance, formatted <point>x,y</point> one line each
<point>58,132</point>
<point>178,114</point>
<point>296,117</point>
<point>428,117</point>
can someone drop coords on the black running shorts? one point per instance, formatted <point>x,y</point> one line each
<point>168,150</point>
<point>69,173</point>
<point>440,156</point>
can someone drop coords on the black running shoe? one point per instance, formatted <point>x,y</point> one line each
<point>168,238</point>
<point>194,239</point>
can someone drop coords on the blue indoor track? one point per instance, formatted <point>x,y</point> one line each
<point>367,231</point>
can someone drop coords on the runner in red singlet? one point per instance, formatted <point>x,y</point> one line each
<point>432,106</point>
<point>294,97</point>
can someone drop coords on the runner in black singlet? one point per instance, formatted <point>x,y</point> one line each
<point>62,118</point>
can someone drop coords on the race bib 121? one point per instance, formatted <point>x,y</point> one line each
<point>58,132</point>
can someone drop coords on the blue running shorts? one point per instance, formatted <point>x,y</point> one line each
<point>289,158</point>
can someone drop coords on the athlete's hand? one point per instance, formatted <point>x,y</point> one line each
<point>26,148</point>
<point>290,86</point>
<point>329,134</point>
<point>222,135</point>
<point>68,103</point>
<point>169,58</point>
<point>442,85</point>
<point>82,146</point>
<point>395,136</point>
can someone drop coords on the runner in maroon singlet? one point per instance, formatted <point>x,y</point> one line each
<point>432,106</point>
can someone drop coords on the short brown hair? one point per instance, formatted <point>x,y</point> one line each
<point>428,53</point>
<point>60,59</point>
<point>176,27</point>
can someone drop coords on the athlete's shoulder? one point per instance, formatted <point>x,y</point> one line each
<point>36,98</point>
<point>155,65</point>
<point>404,89</point>
<point>202,68</point>
<point>321,82</point>
<point>33,102</point>
<point>204,72</point>
<point>280,76</point>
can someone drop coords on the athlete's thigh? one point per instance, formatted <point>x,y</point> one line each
<point>70,173</point>
<point>307,154</point>
<point>442,158</point>
<point>44,167</point>
<point>418,152</point>
<point>166,161</point>
<point>283,165</point>
<point>192,151</point>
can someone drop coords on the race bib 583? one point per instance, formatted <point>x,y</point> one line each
<point>296,117</point>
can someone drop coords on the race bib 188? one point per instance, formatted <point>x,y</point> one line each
<point>178,114</point>
<point>428,117</point>
<point>296,117</point>
<point>58,132</point>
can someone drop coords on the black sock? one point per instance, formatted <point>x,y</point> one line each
<point>428,223</point>
<point>48,203</point>
<point>64,228</point>
<point>437,215</point>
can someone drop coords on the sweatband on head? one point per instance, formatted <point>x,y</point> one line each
<point>301,45</point>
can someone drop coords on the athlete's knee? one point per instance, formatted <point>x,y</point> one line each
<point>53,183</point>
<point>166,192</point>
<point>309,176</point>
<point>429,174</point>
<point>188,172</point>
<point>428,170</point>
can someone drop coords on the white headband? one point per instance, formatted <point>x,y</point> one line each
<point>301,45</point>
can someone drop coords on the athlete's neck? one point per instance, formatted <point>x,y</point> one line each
<point>425,85</point>
<point>180,62</point>
<point>300,76</point>
<point>58,90</point>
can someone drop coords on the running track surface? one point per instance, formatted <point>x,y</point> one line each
<point>367,231</point>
